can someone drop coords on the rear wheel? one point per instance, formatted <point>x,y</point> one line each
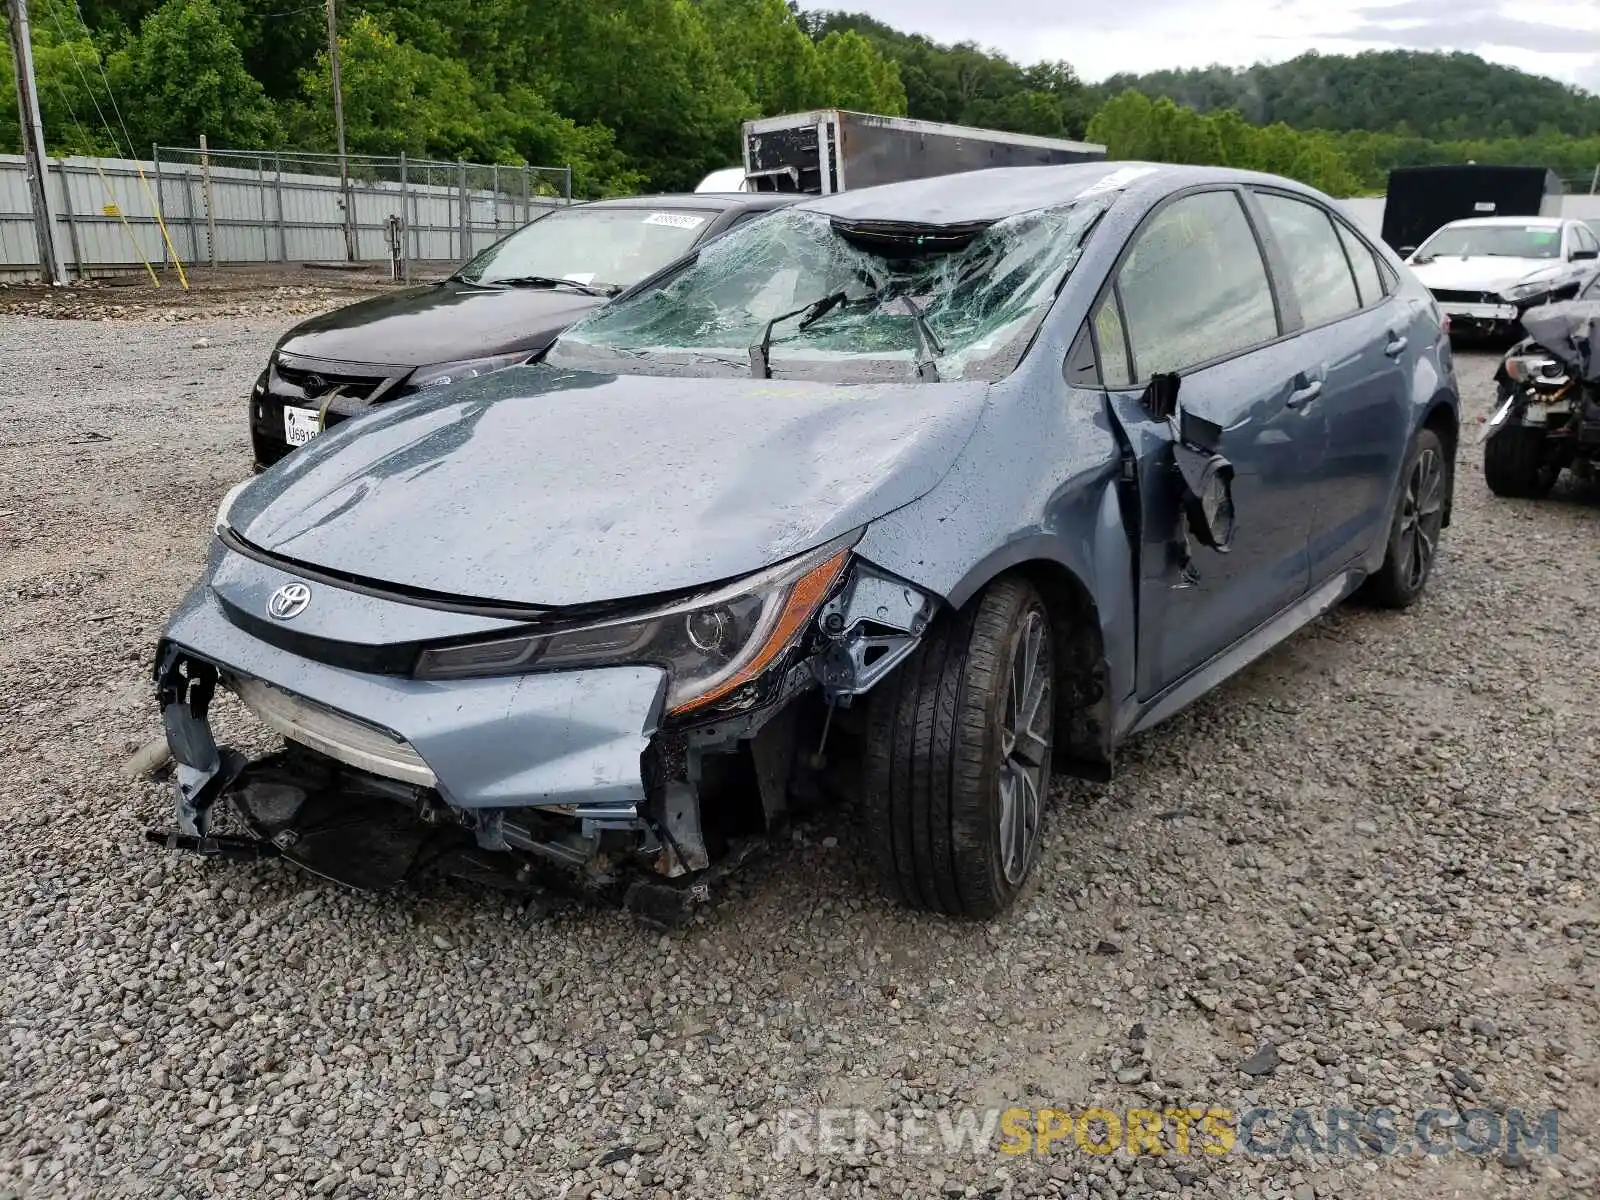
<point>1415,527</point>
<point>958,757</point>
<point>1516,463</point>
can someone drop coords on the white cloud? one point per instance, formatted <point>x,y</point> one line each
<point>1551,37</point>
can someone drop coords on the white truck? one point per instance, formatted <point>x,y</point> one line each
<point>831,149</point>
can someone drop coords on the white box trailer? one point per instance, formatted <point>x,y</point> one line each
<point>831,150</point>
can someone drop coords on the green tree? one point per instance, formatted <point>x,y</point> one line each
<point>183,75</point>
<point>649,71</point>
<point>67,69</point>
<point>401,99</point>
<point>766,54</point>
<point>857,77</point>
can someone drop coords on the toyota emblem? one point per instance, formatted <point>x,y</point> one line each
<point>289,601</point>
<point>315,384</point>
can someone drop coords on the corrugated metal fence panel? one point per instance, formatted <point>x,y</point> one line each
<point>105,217</point>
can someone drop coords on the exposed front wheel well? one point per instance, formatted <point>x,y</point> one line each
<point>1442,420</point>
<point>1083,711</point>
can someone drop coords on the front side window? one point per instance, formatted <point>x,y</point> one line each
<point>1318,269</point>
<point>1585,239</point>
<point>1111,343</point>
<point>1492,241</point>
<point>1194,286</point>
<point>846,299</point>
<point>607,248</point>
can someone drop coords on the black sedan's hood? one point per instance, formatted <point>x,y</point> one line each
<point>438,323</point>
<point>543,487</point>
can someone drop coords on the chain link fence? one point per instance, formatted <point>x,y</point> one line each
<point>229,206</point>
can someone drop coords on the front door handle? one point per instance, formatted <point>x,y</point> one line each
<point>1301,397</point>
<point>1396,346</point>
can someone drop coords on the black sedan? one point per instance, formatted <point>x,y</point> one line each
<point>504,307</point>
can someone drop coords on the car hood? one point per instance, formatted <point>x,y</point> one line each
<point>437,323</point>
<point>1482,273</point>
<point>1571,332</point>
<point>544,487</point>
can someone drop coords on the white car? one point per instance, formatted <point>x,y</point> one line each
<point>1486,271</point>
<point>728,179</point>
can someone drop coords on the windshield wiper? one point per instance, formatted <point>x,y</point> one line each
<point>928,347</point>
<point>553,281</point>
<point>760,353</point>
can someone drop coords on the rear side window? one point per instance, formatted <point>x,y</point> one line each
<point>1194,287</point>
<point>1369,276</point>
<point>1317,264</point>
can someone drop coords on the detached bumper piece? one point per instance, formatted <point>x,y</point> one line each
<point>364,811</point>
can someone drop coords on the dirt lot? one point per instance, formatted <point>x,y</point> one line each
<point>1377,853</point>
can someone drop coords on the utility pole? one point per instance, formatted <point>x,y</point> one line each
<point>33,142</point>
<point>338,127</point>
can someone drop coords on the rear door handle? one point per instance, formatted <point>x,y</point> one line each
<point>1397,345</point>
<point>1301,397</point>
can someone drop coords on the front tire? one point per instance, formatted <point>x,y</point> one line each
<point>1516,463</point>
<point>958,757</point>
<point>1415,527</point>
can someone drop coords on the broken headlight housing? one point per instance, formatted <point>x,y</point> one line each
<point>710,644</point>
<point>226,507</point>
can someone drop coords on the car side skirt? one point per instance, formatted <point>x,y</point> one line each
<point>1242,653</point>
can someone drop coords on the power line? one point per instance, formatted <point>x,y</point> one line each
<point>293,12</point>
<point>155,204</point>
<point>110,95</point>
<point>87,86</point>
<point>106,183</point>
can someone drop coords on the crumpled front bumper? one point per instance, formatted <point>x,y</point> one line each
<point>572,742</point>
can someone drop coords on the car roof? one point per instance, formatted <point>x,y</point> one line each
<point>1535,222</point>
<point>998,192</point>
<point>705,201</point>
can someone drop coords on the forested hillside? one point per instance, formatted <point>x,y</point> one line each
<point>649,93</point>
<point>1441,96</point>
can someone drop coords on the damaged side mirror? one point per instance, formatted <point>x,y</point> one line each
<point>1207,476</point>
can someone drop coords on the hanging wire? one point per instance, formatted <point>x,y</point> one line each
<point>100,67</point>
<point>155,205</point>
<point>87,141</point>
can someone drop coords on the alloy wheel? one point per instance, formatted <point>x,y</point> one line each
<point>1422,517</point>
<point>1026,728</point>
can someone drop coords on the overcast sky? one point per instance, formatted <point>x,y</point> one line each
<point>1560,38</point>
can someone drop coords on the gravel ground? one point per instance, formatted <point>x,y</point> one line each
<point>268,291</point>
<point>1376,853</point>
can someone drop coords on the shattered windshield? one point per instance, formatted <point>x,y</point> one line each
<point>608,248</point>
<point>805,294</point>
<point>1507,241</point>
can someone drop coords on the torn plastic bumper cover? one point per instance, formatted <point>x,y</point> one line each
<point>570,770</point>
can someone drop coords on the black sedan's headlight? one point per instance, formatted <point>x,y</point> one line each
<point>710,644</point>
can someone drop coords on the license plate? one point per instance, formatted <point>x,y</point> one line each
<point>300,425</point>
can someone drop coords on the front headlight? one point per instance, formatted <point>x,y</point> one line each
<point>1526,367</point>
<point>226,506</point>
<point>441,374</point>
<point>1525,291</point>
<point>710,645</point>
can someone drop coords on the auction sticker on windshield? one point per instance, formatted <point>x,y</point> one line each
<point>676,220</point>
<point>300,425</point>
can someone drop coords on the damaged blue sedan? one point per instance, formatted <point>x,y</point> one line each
<point>904,497</point>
